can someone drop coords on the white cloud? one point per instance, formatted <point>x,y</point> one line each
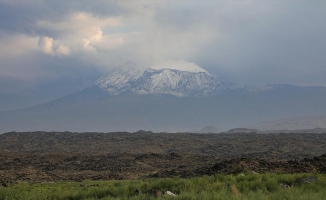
<point>131,35</point>
<point>104,43</point>
<point>46,45</point>
<point>112,41</point>
<point>63,50</point>
<point>80,32</point>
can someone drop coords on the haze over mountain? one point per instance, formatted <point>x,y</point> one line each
<point>163,99</point>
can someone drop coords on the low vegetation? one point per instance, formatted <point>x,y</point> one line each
<point>241,186</point>
<point>144,165</point>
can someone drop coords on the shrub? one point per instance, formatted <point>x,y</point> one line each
<point>248,186</point>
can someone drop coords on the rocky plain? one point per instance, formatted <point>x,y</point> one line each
<point>68,156</point>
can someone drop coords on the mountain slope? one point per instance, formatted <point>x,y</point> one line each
<point>166,100</point>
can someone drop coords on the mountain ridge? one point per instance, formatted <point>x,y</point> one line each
<point>163,81</point>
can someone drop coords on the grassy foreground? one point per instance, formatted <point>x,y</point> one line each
<point>242,186</point>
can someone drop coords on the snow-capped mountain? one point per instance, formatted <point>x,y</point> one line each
<point>177,82</point>
<point>117,102</point>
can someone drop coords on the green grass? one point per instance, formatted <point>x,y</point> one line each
<point>242,186</point>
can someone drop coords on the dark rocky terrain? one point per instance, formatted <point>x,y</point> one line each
<point>58,156</point>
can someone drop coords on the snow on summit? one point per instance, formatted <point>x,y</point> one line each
<point>179,65</point>
<point>178,78</point>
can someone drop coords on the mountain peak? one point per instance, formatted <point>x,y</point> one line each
<point>189,80</point>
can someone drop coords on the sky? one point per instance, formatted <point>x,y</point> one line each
<point>53,48</point>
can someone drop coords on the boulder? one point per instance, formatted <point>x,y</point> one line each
<point>284,185</point>
<point>170,193</point>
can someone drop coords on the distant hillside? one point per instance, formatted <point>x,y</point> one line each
<point>292,123</point>
<point>209,129</point>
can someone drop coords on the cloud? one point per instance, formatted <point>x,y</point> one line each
<point>111,41</point>
<point>79,33</point>
<point>15,53</point>
<point>47,47</point>
<point>14,45</point>
<point>104,43</point>
<point>63,50</point>
<point>179,65</point>
<point>251,42</point>
<point>46,44</point>
<point>80,23</point>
